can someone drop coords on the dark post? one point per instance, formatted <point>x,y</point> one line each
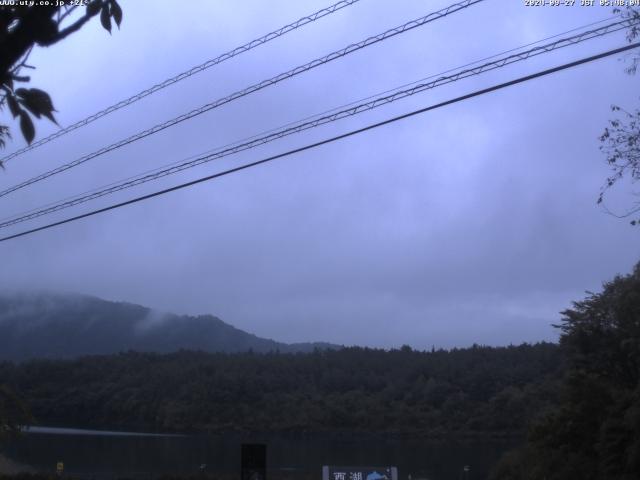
<point>253,461</point>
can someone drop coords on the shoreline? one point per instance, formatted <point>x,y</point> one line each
<point>436,437</point>
<point>43,430</point>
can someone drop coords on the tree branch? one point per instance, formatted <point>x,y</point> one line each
<point>74,27</point>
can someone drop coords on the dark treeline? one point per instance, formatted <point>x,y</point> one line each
<point>461,392</point>
<point>594,431</point>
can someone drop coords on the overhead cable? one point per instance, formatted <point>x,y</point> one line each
<point>329,140</point>
<point>186,74</point>
<point>306,125</point>
<point>249,90</point>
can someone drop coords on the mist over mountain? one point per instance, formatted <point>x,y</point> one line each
<point>46,325</point>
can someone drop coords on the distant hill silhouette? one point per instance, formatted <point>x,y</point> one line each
<point>67,326</point>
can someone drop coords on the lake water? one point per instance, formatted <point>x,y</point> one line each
<point>110,455</point>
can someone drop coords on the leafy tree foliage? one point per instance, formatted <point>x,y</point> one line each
<point>620,141</point>
<point>22,27</point>
<point>461,392</point>
<point>621,144</point>
<point>595,431</point>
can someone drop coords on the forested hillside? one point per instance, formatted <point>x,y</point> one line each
<point>462,392</point>
<point>67,326</point>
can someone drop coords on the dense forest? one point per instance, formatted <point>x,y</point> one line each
<point>461,392</point>
<point>594,432</point>
<point>575,406</point>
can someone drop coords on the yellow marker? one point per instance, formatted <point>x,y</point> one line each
<point>59,467</point>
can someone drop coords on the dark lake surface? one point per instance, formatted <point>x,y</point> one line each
<point>109,455</point>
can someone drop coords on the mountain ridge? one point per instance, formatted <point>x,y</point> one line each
<point>54,325</point>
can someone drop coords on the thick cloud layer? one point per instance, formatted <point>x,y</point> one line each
<point>472,223</point>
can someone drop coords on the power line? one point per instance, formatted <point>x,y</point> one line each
<point>331,139</point>
<point>186,74</point>
<point>354,102</point>
<point>256,141</point>
<point>316,115</point>
<point>416,81</point>
<point>302,126</point>
<point>254,88</point>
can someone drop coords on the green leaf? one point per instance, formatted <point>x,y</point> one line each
<point>104,18</point>
<point>94,7</point>
<point>116,12</point>
<point>43,100</point>
<point>50,116</point>
<point>37,101</point>
<point>34,111</point>
<point>26,125</point>
<point>14,108</point>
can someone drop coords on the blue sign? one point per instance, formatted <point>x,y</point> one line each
<point>359,473</point>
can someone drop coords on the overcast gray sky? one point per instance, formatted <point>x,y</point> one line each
<point>473,223</point>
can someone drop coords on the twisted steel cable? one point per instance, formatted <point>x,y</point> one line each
<point>186,74</point>
<point>249,90</point>
<point>306,125</point>
<point>326,141</point>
